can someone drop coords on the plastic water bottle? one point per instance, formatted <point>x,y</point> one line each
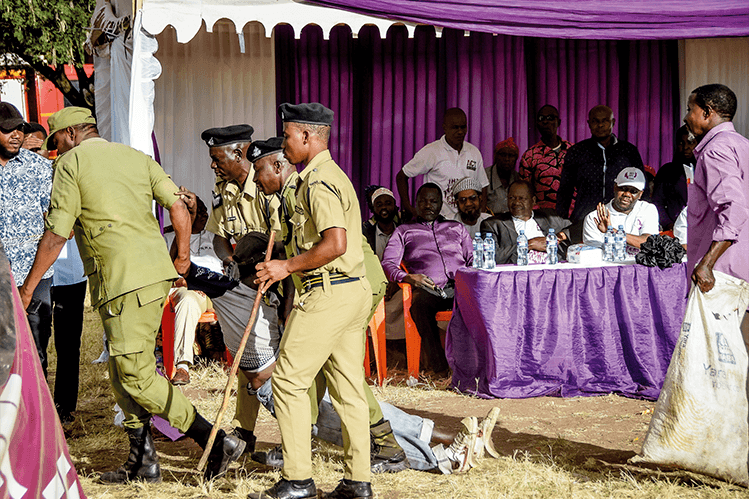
<point>489,262</point>
<point>620,244</point>
<point>522,248</point>
<point>608,245</point>
<point>552,257</point>
<point>478,252</point>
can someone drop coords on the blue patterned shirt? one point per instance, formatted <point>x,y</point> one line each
<point>25,187</point>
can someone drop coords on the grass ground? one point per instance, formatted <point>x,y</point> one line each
<point>550,447</point>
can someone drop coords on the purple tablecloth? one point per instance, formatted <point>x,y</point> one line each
<point>567,331</point>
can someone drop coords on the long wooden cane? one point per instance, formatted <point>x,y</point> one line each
<point>235,364</point>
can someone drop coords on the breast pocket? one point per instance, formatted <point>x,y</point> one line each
<point>302,232</point>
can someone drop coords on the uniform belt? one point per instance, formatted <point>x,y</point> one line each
<point>335,278</point>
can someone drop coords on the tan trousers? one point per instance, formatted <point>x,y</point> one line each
<point>245,415</point>
<point>188,307</point>
<point>324,332</point>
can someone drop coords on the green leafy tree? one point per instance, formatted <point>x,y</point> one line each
<point>46,35</point>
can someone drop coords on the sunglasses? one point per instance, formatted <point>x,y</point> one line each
<point>546,117</point>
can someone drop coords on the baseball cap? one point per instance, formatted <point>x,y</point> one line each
<point>10,117</point>
<point>631,176</point>
<point>70,116</point>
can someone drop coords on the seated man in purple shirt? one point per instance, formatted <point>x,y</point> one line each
<point>432,249</point>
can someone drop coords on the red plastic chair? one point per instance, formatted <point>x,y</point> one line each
<point>167,334</point>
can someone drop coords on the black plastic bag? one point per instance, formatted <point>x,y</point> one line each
<point>660,251</point>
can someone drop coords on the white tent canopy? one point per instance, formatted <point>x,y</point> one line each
<point>187,16</point>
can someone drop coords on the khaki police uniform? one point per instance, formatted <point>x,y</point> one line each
<point>104,191</point>
<point>236,211</point>
<point>374,273</point>
<point>324,330</point>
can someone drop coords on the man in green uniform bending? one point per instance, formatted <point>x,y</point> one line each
<point>324,330</point>
<point>103,191</point>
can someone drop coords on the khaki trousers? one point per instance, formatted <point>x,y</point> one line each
<point>131,322</point>
<point>324,331</point>
<point>245,415</point>
<point>188,307</point>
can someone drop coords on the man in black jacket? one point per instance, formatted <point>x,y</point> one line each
<point>590,168</point>
<point>536,224</point>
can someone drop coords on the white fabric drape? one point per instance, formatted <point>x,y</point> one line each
<point>718,60</point>
<point>210,83</point>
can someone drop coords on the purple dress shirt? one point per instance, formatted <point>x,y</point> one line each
<point>718,208</point>
<point>436,250</point>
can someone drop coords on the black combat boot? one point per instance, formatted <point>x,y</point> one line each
<point>248,437</point>
<point>386,455</point>
<point>142,463</point>
<point>226,448</point>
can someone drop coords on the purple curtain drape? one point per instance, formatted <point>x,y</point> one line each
<point>636,79</point>
<point>389,93</point>
<point>583,19</point>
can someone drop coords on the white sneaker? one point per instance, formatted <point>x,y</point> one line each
<point>460,451</point>
<point>484,439</point>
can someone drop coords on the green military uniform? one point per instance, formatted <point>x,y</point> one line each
<point>236,211</point>
<point>104,191</point>
<point>324,330</point>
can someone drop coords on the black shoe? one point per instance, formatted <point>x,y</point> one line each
<point>286,489</point>
<point>273,457</point>
<point>247,436</point>
<point>226,448</point>
<point>386,455</point>
<point>142,463</point>
<point>350,489</point>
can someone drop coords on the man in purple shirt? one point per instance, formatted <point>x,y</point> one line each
<point>718,208</point>
<point>432,249</point>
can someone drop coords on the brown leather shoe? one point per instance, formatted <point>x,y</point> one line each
<point>181,377</point>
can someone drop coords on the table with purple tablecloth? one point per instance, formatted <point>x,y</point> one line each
<point>565,330</point>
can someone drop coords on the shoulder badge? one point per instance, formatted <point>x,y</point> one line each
<point>217,200</point>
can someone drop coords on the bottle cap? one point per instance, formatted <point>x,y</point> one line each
<point>522,232</point>
<point>551,231</point>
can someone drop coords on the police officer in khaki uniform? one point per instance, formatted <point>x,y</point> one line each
<point>103,191</point>
<point>324,331</point>
<point>275,176</point>
<point>238,209</point>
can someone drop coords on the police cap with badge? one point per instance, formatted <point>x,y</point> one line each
<point>262,148</point>
<point>312,113</point>
<point>215,137</point>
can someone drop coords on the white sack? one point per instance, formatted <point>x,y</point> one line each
<point>700,420</point>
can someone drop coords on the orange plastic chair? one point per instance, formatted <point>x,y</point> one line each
<point>167,334</point>
<point>377,331</point>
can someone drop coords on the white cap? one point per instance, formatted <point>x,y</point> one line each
<point>381,192</point>
<point>633,177</point>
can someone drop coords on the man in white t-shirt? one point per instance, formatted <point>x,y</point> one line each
<point>444,162</point>
<point>639,218</point>
<point>467,194</point>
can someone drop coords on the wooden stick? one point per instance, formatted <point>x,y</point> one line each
<point>235,364</point>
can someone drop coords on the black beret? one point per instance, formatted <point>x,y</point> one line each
<point>262,148</point>
<point>227,135</point>
<point>312,113</point>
